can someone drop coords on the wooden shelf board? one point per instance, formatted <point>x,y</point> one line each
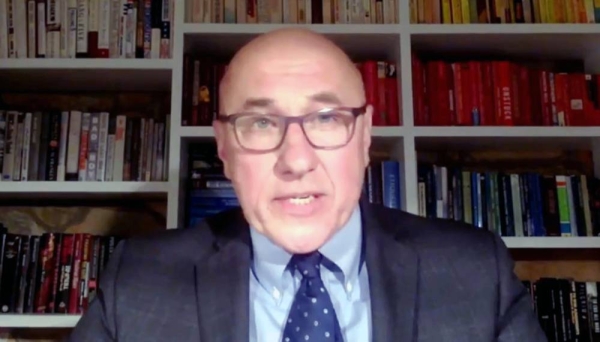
<point>38,320</point>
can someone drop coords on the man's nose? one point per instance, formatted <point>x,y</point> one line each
<point>296,156</point>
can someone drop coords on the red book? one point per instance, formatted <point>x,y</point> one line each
<point>502,93</point>
<point>461,94</point>
<point>488,107</point>
<point>419,92</point>
<point>75,273</point>
<point>474,99</point>
<point>515,92</point>
<point>546,102</point>
<point>383,112</point>
<point>576,91</point>
<point>561,98</point>
<point>369,73</point>
<point>391,90</point>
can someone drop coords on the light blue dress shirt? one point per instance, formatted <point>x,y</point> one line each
<point>273,286</point>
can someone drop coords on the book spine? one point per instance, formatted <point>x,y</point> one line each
<point>83,145</point>
<point>82,46</point>
<point>92,155</point>
<point>41,28</point>
<point>102,141</point>
<point>31,28</point>
<point>16,175</point>
<point>62,146</point>
<point>25,150</point>
<point>74,139</point>
<point>119,154</point>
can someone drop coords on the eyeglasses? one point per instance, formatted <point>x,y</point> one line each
<point>328,128</point>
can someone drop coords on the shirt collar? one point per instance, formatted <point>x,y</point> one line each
<point>270,261</point>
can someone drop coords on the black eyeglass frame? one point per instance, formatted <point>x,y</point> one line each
<point>288,120</point>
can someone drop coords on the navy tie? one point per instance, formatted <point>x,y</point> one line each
<point>312,316</point>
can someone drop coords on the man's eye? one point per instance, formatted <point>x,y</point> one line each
<point>263,123</point>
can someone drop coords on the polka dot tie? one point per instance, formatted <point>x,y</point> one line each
<point>312,316</point>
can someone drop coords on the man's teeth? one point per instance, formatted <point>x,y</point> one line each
<point>302,200</point>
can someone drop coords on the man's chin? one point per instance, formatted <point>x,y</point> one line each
<point>300,239</point>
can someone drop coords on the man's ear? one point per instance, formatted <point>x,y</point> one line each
<point>221,140</point>
<point>367,131</point>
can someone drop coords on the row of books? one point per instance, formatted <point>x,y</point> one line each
<point>383,183</point>
<point>200,99</point>
<point>505,11</point>
<point>567,309</point>
<point>82,146</point>
<point>293,11</point>
<point>86,28</point>
<point>511,204</point>
<point>502,93</point>
<point>51,273</point>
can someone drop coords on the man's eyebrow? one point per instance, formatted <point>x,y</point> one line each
<point>259,102</point>
<point>326,97</point>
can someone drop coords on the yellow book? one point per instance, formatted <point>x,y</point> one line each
<point>456,12</point>
<point>466,12</point>
<point>570,16</point>
<point>589,11</point>
<point>446,12</point>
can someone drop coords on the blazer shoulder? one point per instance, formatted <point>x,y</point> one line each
<point>186,243</point>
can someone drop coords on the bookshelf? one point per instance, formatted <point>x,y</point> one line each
<point>386,41</point>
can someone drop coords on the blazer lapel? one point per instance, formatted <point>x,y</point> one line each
<point>222,282</point>
<point>393,276</point>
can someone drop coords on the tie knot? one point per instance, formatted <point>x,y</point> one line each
<point>308,264</point>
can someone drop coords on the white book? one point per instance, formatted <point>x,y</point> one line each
<point>62,151</point>
<point>516,204</point>
<point>119,156</point>
<point>115,29</point>
<point>20,23</point>
<point>64,28</point>
<point>124,5</point>
<point>155,40</point>
<point>72,164</point>
<point>131,29</point>
<point>31,28</point>
<point>11,35</point>
<point>41,29</point>
<point>52,29</point>
<point>102,141</point>
<point>3,29</point>
<point>110,158</point>
<point>72,29</point>
<point>26,146</point>
<point>82,26</point>
<point>104,26</point>
<point>92,155</point>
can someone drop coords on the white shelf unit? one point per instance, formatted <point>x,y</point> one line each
<point>361,41</point>
<point>394,41</point>
<point>29,321</point>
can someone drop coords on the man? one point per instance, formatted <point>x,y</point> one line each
<point>305,259</point>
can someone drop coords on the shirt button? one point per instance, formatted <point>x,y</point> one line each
<point>276,294</point>
<point>348,287</point>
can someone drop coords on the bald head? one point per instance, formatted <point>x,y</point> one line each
<point>291,53</point>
